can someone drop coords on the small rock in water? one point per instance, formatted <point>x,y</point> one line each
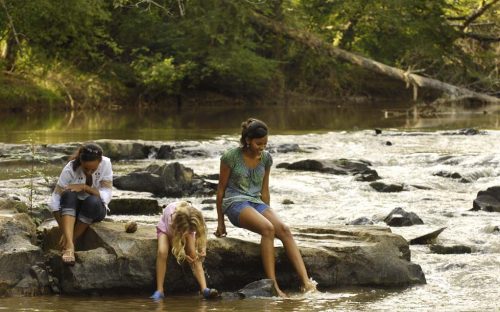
<point>130,227</point>
<point>260,288</point>
<point>399,217</point>
<point>446,250</point>
<point>361,221</point>
<point>492,229</point>
<point>427,238</point>
<point>287,202</point>
<point>209,201</point>
<point>378,131</point>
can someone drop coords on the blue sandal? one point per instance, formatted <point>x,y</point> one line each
<point>157,296</point>
<point>210,293</point>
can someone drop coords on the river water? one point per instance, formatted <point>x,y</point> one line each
<point>419,148</point>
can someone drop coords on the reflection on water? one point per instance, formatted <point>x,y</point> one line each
<point>349,299</point>
<point>207,122</point>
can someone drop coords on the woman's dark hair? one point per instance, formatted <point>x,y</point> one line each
<point>86,152</point>
<point>252,129</point>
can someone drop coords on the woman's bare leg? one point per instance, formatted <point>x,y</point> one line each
<point>251,220</point>
<point>80,228</point>
<point>68,227</point>
<point>58,218</point>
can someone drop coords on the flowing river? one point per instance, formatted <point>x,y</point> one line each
<point>409,151</point>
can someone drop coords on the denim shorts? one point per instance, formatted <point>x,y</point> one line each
<point>234,211</point>
<point>88,211</point>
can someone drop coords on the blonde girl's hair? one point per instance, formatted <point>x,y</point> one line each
<point>187,219</point>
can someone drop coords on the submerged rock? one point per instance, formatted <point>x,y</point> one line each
<point>387,188</point>
<point>465,131</point>
<point>361,221</point>
<point>110,260</point>
<point>358,168</point>
<point>452,175</point>
<point>285,148</point>
<point>446,250</point>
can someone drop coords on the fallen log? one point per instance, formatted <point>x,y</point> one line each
<point>411,79</point>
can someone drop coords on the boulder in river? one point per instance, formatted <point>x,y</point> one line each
<point>488,200</point>
<point>170,180</point>
<point>108,260</point>
<point>399,217</point>
<point>358,168</point>
<point>19,256</point>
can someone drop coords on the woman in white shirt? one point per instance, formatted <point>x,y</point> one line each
<point>81,195</point>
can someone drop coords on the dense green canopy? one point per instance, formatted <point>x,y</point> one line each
<point>93,50</point>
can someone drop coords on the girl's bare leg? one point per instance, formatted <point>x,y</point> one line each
<point>161,261</point>
<point>283,233</point>
<point>251,220</point>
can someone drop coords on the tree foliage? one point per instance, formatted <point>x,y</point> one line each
<point>160,48</point>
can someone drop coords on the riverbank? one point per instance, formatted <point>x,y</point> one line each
<point>66,90</point>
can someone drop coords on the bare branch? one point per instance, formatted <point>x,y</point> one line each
<point>11,24</point>
<point>481,37</point>
<point>476,14</point>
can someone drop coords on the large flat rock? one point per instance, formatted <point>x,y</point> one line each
<point>111,260</point>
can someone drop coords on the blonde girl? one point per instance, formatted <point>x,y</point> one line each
<point>182,231</point>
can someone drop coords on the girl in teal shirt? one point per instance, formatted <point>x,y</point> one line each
<point>243,195</point>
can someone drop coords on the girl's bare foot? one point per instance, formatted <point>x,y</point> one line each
<point>309,286</point>
<point>280,292</point>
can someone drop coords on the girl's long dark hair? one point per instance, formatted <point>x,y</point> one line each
<point>252,129</point>
<point>86,152</point>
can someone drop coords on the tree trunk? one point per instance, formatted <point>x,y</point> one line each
<point>414,80</point>
<point>9,52</point>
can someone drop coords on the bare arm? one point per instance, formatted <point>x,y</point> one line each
<point>84,188</point>
<point>265,196</point>
<point>225,171</point>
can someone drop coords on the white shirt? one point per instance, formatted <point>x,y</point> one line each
<point>103,173</point>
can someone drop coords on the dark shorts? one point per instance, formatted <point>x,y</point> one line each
<point>234,211</point>
<point>88,211</point>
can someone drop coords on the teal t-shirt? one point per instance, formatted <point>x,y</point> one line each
<point>244,184</point>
